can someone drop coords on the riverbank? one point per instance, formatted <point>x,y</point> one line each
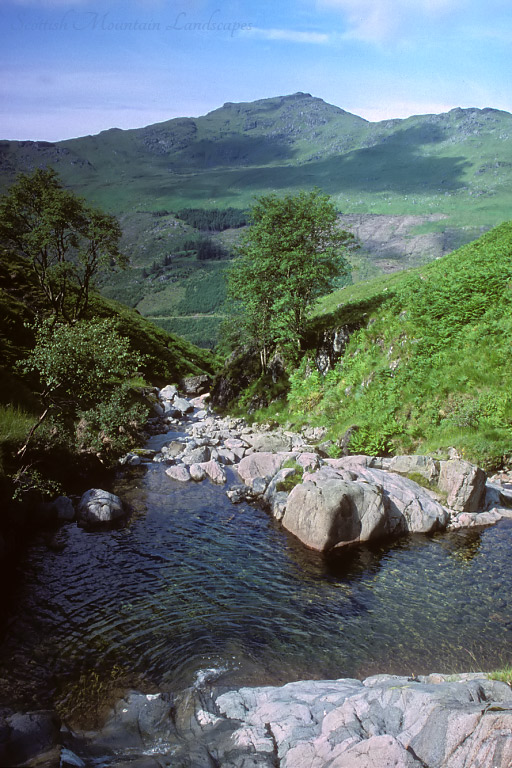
<point>437,721</point>
<point>200,553</point>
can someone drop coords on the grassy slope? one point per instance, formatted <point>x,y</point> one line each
<point>429,366</point>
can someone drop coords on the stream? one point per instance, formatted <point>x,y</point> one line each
<point>191,587</point>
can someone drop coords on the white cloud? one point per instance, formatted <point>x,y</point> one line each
<point>289,35</point>
<point>380,20</point>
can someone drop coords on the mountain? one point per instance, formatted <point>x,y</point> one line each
<point>449,174</point>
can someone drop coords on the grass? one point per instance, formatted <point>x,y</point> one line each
<point>504,675</point>
<point>426,365</point>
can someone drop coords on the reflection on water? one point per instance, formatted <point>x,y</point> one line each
<point>193,582</point>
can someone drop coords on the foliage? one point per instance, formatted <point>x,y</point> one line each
<point>77,364</point>
<point>84,371</point>
<point>427,363</point>
<point>213,219</point>
<point>292,254</point>
<point>289,482</point>
<point>66,242</point>
<point>504,675</point>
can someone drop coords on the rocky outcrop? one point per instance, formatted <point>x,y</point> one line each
<point>385,721</point>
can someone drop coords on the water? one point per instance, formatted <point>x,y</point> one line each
<point>193,586</point>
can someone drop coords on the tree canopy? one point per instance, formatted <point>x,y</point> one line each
<point>66,242</point>
<point>293,253</point>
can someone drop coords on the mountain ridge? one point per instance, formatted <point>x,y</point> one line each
<point>450,174</point>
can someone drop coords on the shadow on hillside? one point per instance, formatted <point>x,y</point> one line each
<point>396,164</point>
<point>231,151</point>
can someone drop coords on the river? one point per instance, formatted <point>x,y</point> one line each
<point>192,586</point>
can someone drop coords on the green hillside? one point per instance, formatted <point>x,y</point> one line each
<point>165,359</point>
<point>427,364</point>
<point>453,169</point>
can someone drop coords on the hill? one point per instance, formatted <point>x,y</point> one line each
<point>414,362</point>
<point>413,189</point>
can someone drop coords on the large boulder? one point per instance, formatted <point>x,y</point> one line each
<point>464,484</point>
<point>98,506</point>
<point>196,385</point>
<point>327,511</point>
<point>410,507</point>
<point>382,722</point>
<point>425,466</point>
<point>347,501</point>
<point>178,472</point>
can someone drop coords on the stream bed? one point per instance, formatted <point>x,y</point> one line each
<point>191,587</point>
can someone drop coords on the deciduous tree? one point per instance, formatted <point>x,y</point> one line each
<point>293,253</point>
<point>65,241</point>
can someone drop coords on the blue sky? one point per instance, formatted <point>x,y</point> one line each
<point>76,68</point>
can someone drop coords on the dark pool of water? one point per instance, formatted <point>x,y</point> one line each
<point>193,583</point>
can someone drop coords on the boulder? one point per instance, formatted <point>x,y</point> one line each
<point>197,455</point>
<point>27,736</point>
<point>410,507</point>
<point>168,393</point>
<point>178,472</point>
<point>384,722</point>
<point>425,466</point>
<point>463,483</point>
<point>261,465</point>
<point>269,442</point>
<point>214,471</point>
<point>180,407</point>
<point>326,512</point>
<point>196,385</point>
<point>98,506</point>
<point>197,472</point>
<point>173,449</point>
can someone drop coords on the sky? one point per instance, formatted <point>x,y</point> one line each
<point>76,68</point>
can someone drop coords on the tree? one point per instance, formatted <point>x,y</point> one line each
<point>291,255</point>
<point>66,242</point>
<point>85,371</point>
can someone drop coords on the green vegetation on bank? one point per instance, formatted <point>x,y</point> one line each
<point>427,363</point>
<point>75,367</point>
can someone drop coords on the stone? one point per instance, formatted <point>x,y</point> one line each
<point>225,456</point>
<point>98,506</point>
<point>27,736</point>
<point>324,513</point>
<point>425,466</point>
<point>173,449</point>
<point>197,472</point>
<point>181,406</point>
<point>214,471</point>
<point>178,472</point>
<point>269,442</point>
<point>168,393</point>
<point>261,465</point>
<point>196,385</point>
<point>464,485</point>
<point>197,455</point>
<point>385,722</point>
